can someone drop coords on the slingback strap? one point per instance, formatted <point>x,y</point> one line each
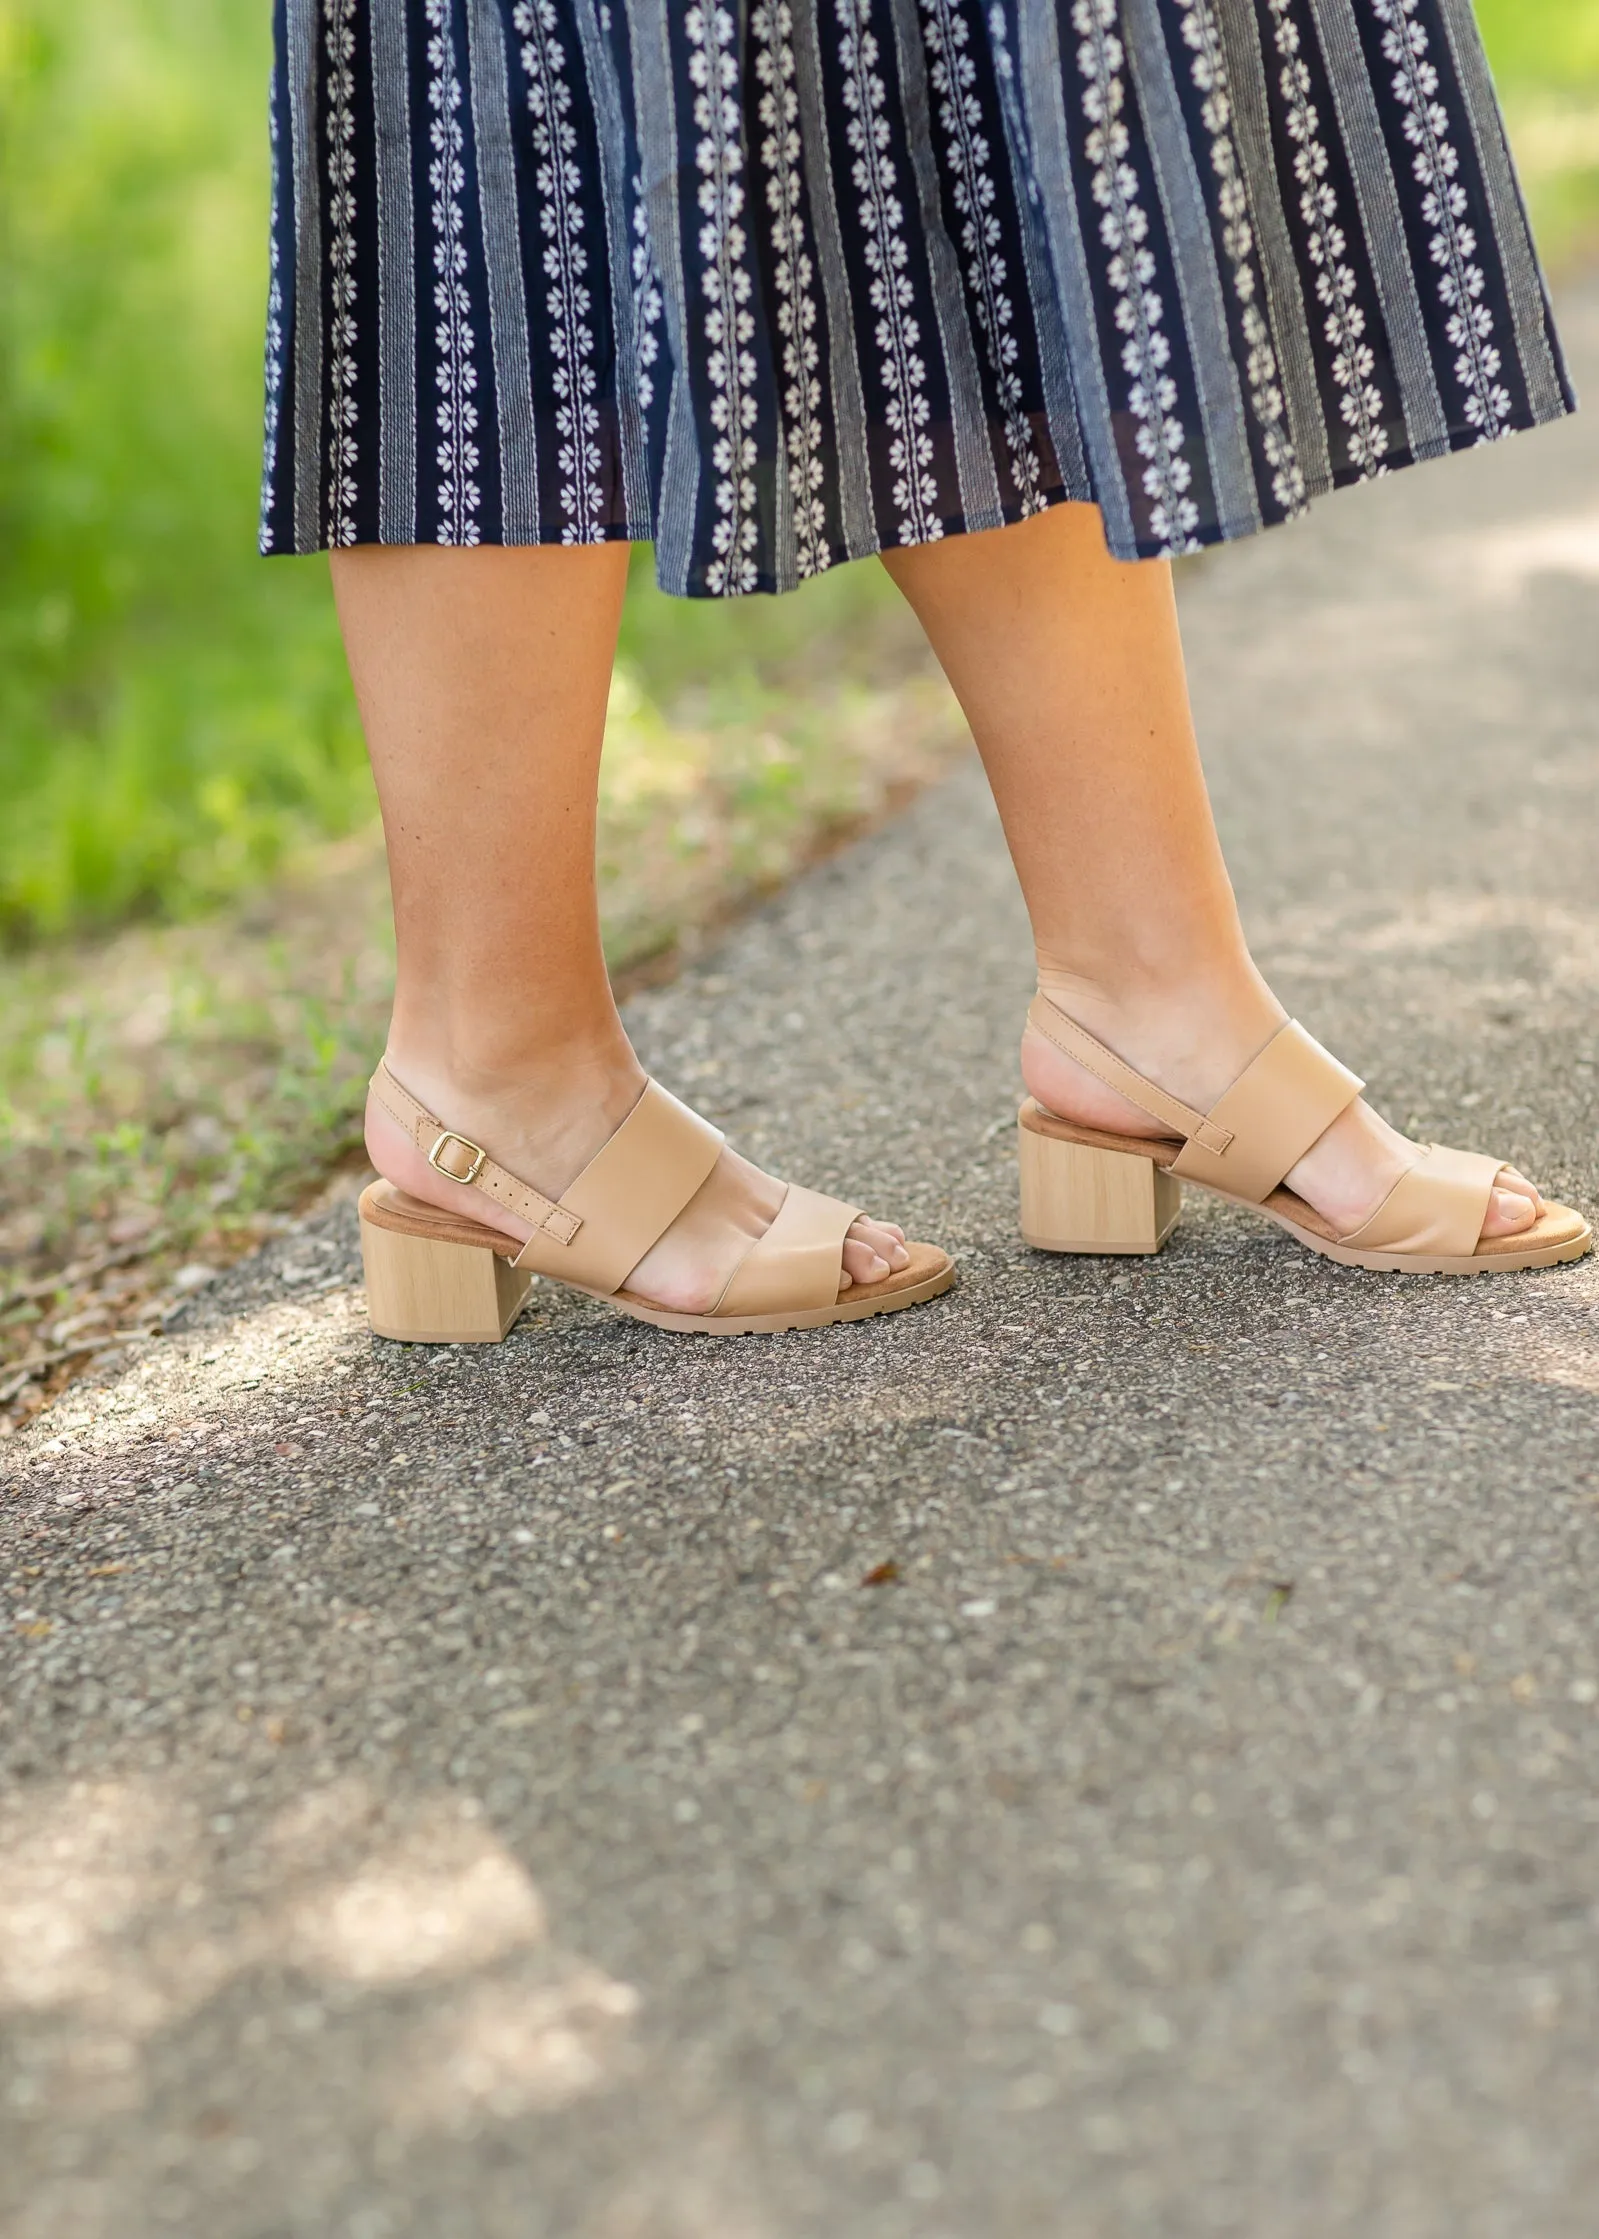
<point>625,1199</point>
<point>1048,1019</point>
<point>1436,1206</point>
<point>630,1193</point>
<point>798,1262</point>
<point>1283,1101</point>
<point>459,1159</point>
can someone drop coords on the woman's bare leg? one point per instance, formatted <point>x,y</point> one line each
<point>482,679</point>
<point>1070,669</point>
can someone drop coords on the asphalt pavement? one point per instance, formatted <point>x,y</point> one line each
<point>1113,1754</point>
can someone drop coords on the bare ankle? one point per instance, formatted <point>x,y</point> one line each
<point>473,1074</point>
<point>1216,995</point>
<point>541,1112</point>
<point>1191,1031</point>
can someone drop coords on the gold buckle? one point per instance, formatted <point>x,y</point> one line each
<point>478,1156</point>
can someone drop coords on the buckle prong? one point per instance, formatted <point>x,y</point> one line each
<point>478,1156</point>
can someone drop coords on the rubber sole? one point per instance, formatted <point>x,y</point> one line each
<point>1410,1263</point>
<point>811,1317</point>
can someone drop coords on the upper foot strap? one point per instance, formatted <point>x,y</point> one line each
<point>1284,1100</point>
<point>631,1191</point>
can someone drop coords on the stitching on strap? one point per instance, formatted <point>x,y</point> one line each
<point>379,1077</point>
<point>1117,1074</point>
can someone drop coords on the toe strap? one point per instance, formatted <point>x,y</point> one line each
<point>1436,1206</point>
<point>798,1262</point>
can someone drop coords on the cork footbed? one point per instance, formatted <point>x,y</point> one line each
<point>1559,1233</point>
<point>930,1271</point>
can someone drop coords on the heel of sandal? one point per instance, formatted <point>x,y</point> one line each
<point>1076,1198</point>
<point>425,1292</point>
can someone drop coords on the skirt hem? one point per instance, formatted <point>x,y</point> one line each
<point>1459,438</point>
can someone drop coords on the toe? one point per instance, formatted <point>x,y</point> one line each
<point>863,1264</point>
<point>1509,1211</point>
<point>882,1238</point>
<point>1513,1180</point>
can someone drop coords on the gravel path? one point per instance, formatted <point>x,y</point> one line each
<point>1111,1753</point>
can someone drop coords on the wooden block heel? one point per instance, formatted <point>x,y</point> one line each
<point>1076,1198</point>
<point>423,1291</point>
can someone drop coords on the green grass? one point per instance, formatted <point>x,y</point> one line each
<point>172,714</point>
<point>1548,43</point>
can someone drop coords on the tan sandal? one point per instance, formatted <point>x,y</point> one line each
<point>437,1278</point>
<point>1085,1190</point>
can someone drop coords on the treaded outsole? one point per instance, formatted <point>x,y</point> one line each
<point>773,1325</point>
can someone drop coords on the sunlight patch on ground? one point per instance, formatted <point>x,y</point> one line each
<point>188,1393</point>
<point>1504,563</point>
<point>124,1915</point>
<point>1555,960</point>
<point>502,2050</point>
<point>1570,937</point>
<point>439,1901</point>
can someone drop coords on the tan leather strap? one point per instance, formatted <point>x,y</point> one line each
<point>630,1193</point>
<point>1283,1101</point>
<point>1436,1206</point>
<point>1048,1019</point>
<point>798,1262</point>
<point>459,1159</point>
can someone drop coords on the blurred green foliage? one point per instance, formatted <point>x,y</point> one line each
<point>174,715</point>
<point>1546,57</point>
<point>1552,43</point>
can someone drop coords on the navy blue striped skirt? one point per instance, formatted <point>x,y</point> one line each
<point>777,285</point>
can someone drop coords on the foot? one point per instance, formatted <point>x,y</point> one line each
<point>545,1128</point>
<point>1194,1044</point>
